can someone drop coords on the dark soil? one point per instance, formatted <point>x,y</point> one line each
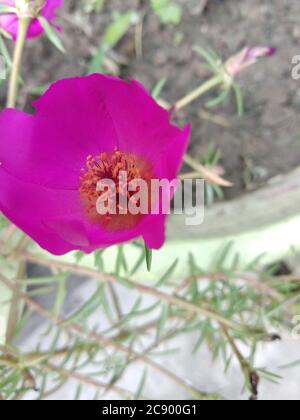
<point>265,142</point>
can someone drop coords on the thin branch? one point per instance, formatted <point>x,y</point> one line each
<point>157,294</point>
<point>104,341</point>
<point>251,280</point>
<point>251,376</point>
<point>115,300</point>
<point>14,307</point>
<point>208,174</point>
<point>83,379</point>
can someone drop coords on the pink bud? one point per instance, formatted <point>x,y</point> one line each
<point>246,58</point>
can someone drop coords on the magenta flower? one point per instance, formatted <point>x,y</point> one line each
<point>84,130</point>
<point>246,58</point>
<point>10,22</point>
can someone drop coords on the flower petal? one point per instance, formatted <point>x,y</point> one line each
<point>42,155</point>
<point>10,22</point>
<point>49,13</point>
<point>51,147</point>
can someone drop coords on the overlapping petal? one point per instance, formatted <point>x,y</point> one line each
<point>10,22</point>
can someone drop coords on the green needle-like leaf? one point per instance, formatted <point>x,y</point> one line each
<point>52,35</point>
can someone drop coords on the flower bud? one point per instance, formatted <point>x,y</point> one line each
<point>29,8</point>
<point>248,56</point>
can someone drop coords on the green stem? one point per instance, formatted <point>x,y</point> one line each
<point>17,60</point>
<point>195,94</point>
<point>15,304</point>
<point>12,96</point>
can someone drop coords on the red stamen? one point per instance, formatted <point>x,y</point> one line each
<point>110,166</point>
